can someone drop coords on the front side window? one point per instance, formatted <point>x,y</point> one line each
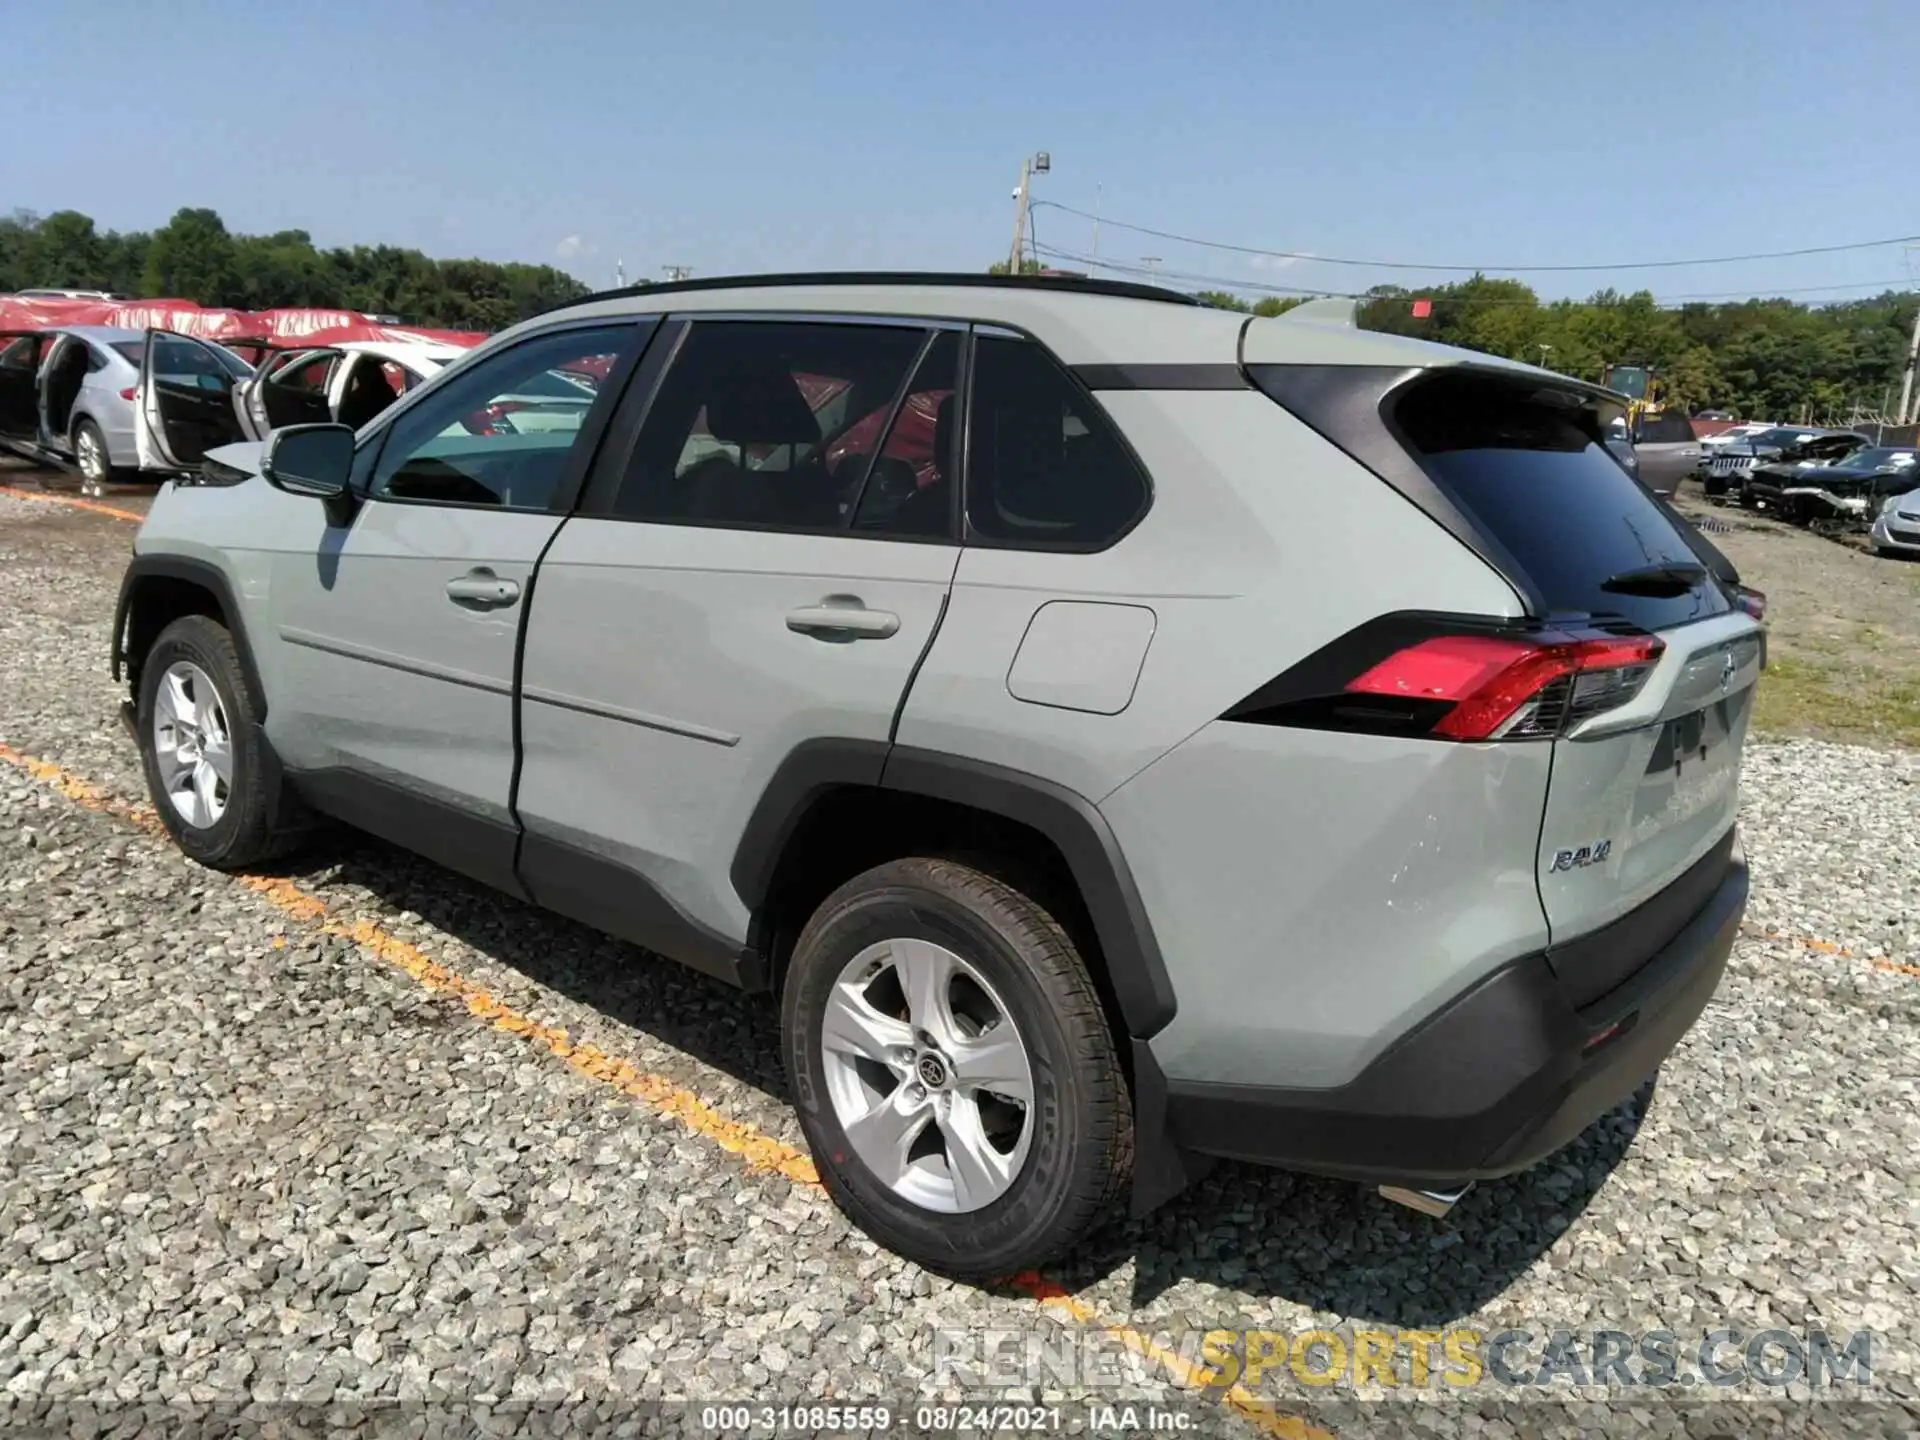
<point>1045,468</point>
<point>475,439</point>
<point>769,424</point>
<point>188,364</point>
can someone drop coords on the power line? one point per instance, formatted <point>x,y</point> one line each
<point>1236,283</point>
<point>1478,269</point>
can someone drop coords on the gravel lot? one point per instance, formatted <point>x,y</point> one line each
<point>254,1146</point>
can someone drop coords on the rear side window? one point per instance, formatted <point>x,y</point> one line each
<point>1045,467</point>
<point>1527,465</point>
<point>776,425</point>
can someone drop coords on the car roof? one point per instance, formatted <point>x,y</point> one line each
<point>105,334</point>
<point>401,350</point>
<point>1082,321</point>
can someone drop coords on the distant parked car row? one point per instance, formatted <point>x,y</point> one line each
<point>1825,478</point>
<point>117,404</point>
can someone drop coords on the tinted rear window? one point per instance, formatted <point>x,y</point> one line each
<point>133,350</point>
<point>1527,466</point>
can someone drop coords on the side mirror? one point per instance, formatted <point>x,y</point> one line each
<point>311,460</point>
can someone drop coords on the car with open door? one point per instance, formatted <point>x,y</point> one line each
<point>190,400</point>
<point>350,383</point>
<point>71,400</point>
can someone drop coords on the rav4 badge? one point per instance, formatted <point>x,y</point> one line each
<point>1579,859</point>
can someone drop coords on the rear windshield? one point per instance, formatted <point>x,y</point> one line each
<point>1526,464</point>
<point>132,350</point>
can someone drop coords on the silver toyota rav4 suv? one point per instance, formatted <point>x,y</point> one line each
<point>1121,733</point>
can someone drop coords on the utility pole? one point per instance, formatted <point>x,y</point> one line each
<point>1037,164</point>
<point>1906,382</point>
<point>1019,218</point>
<point>1152,262</point>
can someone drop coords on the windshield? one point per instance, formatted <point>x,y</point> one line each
<point>1783,436</point>
<point>1877,457</point>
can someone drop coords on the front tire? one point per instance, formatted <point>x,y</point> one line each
<point>954,1071</point>
<point>200,745</point>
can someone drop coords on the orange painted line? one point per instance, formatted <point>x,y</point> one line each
<point>657,1092</point>
<point>74,502</point>
<point>1827,947</point>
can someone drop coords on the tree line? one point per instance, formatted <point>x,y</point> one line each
<point>195,257</point>
<point>1759,359</point>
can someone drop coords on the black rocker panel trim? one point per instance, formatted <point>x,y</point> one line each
<point>478,846</point>
<point>596,891</point>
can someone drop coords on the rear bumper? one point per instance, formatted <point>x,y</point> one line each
<point>1496,1080</point>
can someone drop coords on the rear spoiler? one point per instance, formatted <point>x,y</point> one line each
<point>1327,310</point>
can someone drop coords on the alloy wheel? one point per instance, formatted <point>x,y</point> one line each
<point>928,1075</point>
<point>193,745</point>
<point>92,460</point>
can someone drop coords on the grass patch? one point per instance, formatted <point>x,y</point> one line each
<point>1798,696</point>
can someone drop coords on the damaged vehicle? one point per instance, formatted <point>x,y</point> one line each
<point>1844,494</point>
<point>1727,469</point>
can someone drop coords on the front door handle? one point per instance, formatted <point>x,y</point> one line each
<point>843,617</point>
<point>481,589</point>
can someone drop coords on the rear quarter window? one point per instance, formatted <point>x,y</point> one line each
<point>1527,464</point>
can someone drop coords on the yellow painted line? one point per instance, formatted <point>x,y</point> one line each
<point>74,502</point>
<point>657,1092</point>
<point>1263,1414</point>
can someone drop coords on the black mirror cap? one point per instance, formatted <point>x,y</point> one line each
<point>313,460</point>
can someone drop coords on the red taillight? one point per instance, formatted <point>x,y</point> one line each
<point>129,392</point>
<point>1509,687</point>
<point>1750,602</point>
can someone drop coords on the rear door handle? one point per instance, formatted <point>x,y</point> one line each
<point>843,617</point>
<point>481,589</point>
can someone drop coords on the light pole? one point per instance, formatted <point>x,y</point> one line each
<point>1544,350</point>
<point>1036,164</point>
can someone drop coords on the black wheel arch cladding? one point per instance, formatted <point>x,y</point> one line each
<point>815,769</point>
<point>150,576</point>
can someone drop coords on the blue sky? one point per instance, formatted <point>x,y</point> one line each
<point>757,136</point>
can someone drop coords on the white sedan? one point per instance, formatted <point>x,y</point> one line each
<point>1896,529</point>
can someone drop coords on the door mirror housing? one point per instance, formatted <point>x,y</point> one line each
<point>311,460</point>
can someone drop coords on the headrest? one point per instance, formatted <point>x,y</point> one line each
<point>759,407</point>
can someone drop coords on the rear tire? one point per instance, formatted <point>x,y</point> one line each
<point>208,772</point>
<point>867,1050</point>
<point>92,459</point>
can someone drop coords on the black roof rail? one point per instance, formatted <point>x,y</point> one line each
<point>1072,284</point>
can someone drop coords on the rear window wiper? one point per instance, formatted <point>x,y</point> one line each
<point>1674,577</point>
